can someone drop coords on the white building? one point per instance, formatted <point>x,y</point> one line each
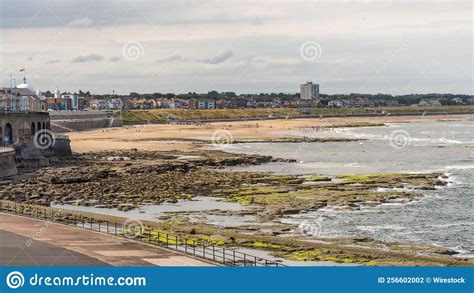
<point>22,98</point>
<point>206,104</point>
<point>75,100</point>
<point>115,104</point>
<point>57,93</point>
<point>335,104</point>
<point>309,91</point>
<point>429,102</point>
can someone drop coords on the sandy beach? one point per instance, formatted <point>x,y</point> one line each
<point>266,211</point>
<point>168,137</point>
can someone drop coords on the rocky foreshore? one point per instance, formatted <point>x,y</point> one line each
<point>129,179</point>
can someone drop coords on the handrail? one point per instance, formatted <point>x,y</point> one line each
<point>195,247</point>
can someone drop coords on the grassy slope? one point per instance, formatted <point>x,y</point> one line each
<point>161,115</point>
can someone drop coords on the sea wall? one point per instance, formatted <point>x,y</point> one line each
<point>77,121</point>
<point>7,162</point>
<point>21,127</point>
<point>61,147</point>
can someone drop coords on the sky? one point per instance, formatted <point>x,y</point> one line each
<point>359,46</point>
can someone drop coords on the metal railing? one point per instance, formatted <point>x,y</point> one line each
<point>195,247</point>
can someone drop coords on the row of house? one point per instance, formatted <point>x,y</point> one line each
<point>354,103</point>
<point>176,102</point>
<point>22,98</point>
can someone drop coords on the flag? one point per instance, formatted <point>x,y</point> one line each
<point>23,69</point>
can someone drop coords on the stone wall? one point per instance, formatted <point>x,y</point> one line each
<point>77,121</point>
<point>21,127</point>
<point>7,162</point>
<point>84,124</point>
<point>22,149</point>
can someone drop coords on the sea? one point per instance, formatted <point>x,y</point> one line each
<point>442,217</point>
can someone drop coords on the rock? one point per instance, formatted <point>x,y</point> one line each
<point>290,211</point>
<point>125,208</point>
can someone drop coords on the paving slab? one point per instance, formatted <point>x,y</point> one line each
<point>33,242</point>
<point>16,250</point>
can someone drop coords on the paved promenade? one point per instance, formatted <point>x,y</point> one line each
<point>25,241</point>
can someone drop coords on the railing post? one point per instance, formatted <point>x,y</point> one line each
<point>223,255</point>
<point>69,218</point>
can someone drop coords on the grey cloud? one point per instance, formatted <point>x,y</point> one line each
<point>171,59</point>
<point>220,57</point>
<point>257,21</point>
<point>57,13</point>
<point>88,58</point>
<point>352,49</point>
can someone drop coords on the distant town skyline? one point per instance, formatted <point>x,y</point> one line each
<point>393,47</point>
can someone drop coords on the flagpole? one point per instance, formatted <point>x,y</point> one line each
<point>11,93</point>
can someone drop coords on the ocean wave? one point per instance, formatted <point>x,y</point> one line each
<point>459,167</point>
<point>355,164</point>
<point>451,225</point>
<point>381,227</point>
<point>402,189</point>
<point>452,141</point>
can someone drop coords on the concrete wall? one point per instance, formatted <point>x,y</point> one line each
<point>7,163</point>
<point>61,147</point>
<point>22,125</point>
<point>73,115</point>
<point>79,125</point>
<point>64,121</point>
